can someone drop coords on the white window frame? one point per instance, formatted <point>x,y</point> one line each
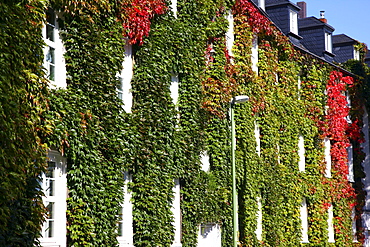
<point>261,4</point>
<point>328,42</point>
<point>55,177</point>
<point>55,44</point>
<point>293,21</point>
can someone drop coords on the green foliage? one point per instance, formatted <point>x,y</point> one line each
<point>23,92</point>
<point>162,141</point>
<point>90,125</point>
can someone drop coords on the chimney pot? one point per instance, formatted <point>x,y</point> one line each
<point>322,16</point>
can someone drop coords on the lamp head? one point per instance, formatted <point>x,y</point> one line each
<point>239,99</point>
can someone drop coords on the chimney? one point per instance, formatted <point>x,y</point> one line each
<point>303,12</point>
<point>322,16</point>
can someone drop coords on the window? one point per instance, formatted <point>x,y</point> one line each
<point>328,42</point>
<point>54,186</point>
<point>53,60</point>
<point>259,219</point>
<point>351,177</point>
<point>354,227</point>
<point>304,220</point>
<point>356,54</point>
<point>176,211</point>
<point>174,7</point>
<point>204,158</point>
<point>124,80</point>
<point>125,230</point>
<point>330,225</point>
<point>50,63</point>
<point>327,157</point>
<point>257,136</point>
<point>261,4</point>
<point>301,152</point>
<point>209,235</point>
<point>174,88</point>
<point>230,33</point>
<point>255,54</point>
<point>293,21</point>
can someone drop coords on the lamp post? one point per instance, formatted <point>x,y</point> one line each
<point>235,100</point>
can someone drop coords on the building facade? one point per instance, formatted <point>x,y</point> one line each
<point>136,126</point>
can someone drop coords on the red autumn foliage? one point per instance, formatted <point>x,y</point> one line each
<point>139,15</point>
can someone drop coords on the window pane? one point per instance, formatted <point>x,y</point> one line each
<point>50,32</point>
<point>50,190</point>
<point>50,209</point>
<point>50,26</point>
<point>50,57</point>
<point>52,72</point>
<point>50,171</point>
<point>50,230</point>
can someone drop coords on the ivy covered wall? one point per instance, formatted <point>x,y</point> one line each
<point>23,99</point>
<point>293,94</point>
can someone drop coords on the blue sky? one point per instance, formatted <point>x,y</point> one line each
<point>351,17</point>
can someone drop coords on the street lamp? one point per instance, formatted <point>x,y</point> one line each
<point>235,100</point>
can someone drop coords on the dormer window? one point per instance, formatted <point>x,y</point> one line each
<point>328,42</point>
<point>293,21</point>
<point>356,54</point>
<point>261,4</point>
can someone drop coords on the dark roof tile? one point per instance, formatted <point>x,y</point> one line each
<point>342,38</point>
<point>312,22</point>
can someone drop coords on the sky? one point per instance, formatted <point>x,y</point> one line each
<point>351,17</point>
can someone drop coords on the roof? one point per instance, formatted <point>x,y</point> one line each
<point>310,22</point>
<point>342,38</point>
<point>270,3</point>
